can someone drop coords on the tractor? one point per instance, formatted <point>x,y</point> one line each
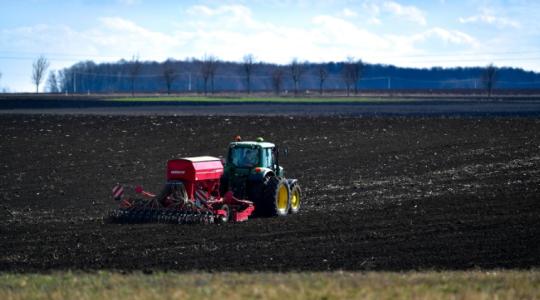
<point>252,171</point>
<point>207,189</point>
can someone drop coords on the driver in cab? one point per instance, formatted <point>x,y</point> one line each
<point>251,158</point>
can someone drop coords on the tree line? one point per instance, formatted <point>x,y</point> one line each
<point>208,75</point>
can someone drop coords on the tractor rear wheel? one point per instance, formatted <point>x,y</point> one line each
<point>276,197</point>
<point>296,196</point>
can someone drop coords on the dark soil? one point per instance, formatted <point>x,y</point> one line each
<point>393,193</point>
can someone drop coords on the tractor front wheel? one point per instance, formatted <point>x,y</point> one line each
<point>296,196</point>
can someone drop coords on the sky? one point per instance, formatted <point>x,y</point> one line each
<point>412,33</point>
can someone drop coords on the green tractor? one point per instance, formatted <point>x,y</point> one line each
<point>252,171</point>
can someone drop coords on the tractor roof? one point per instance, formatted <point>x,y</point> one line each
<point>253,143</point>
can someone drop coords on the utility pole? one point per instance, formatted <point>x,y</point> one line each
<point>74,83</point>
<point>389,81</point>
<point>189,83</point>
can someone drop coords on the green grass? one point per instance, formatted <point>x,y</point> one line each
<point>218,99</point>
<point>335,285</point>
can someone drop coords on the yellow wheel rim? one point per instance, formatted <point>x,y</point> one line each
<point>282,198</point>
<point>295,199</point>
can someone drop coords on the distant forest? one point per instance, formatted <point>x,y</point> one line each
<point>208,75</point>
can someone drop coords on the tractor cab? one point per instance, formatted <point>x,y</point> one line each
<point>253,157</point>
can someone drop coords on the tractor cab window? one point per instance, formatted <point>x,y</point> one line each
<point>245,157</point>
<point>268,158</point>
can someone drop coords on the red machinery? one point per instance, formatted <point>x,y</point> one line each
<point>191,195</point>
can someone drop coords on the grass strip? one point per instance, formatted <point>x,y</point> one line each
<point>331,285</point>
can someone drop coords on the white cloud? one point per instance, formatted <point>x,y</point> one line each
<point>235,10</point>
<point>410,13</point>
<point>375,9</point>
<point>121,24</point>
<point>413,47</point>
<point>447,36</point>
<point>374,21</point>
<point>198,10</point>
<point>349,13</point>
<point>372,11</point>
<point>339,32</point>
<point>489,18</point>
<point>112,39</point>
<point>227,16</point>
<point>371,7</point>
<point>124,37</point>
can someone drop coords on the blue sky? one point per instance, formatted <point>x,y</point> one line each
<point>405,33</point>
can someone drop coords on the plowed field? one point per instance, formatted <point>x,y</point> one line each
<point>380,193</point>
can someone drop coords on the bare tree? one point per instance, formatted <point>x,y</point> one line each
<point>169,74</point>
<point>352,72</point>
<point>208,68</point>
<point>489,77</point>
<point>39,67</point>
<point>277,80</point>
<point>52,83</point>
<point>357,68</point>
<point>249,61</point>
<point>322,72</point>
<point>134,70</point>
<point>205,74</point>
<point>297,70</point>
<point>347,77</point>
